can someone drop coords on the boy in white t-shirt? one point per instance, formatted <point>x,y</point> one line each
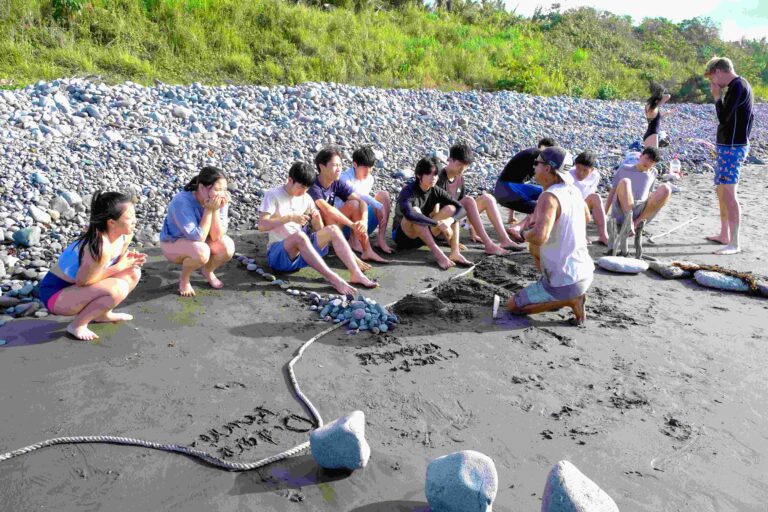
<point>586,179</point>
<point>285,212</point>
<point>360,178</point>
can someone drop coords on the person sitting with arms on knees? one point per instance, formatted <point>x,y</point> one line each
<point>557,242</point>
<point>631,202</point>
<point>354,213</point>
<point>96,272</point>
<point>451,179</point>
<point>360,178</point>
<point>285,213</point>
<point>424,211</point>
<point>586,178</point>
<point>194,233</point>
<point>512,191</point>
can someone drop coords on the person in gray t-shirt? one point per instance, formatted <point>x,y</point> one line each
<point>631,192</point>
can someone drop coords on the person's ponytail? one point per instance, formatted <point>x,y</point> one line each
<point>104,206</point>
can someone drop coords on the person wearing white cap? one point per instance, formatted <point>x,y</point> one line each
<point>558,242</point>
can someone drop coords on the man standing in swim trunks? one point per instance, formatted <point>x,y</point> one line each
<point>736,117</point>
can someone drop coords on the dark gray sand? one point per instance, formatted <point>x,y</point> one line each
<point>660,399</point>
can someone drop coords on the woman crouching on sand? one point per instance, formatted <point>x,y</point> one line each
<point>194,232</point>
<point>96,272</point>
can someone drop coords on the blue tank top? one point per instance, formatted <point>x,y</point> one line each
<point>69,261</point>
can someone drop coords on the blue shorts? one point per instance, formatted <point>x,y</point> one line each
<point>520,197</point>
<point>280,261</point>
<point>373,222</point>
<point>729,162</point>
<point>541,292</point>
<point>49,289</point>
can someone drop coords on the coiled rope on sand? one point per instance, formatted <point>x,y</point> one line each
<point>199,454</point>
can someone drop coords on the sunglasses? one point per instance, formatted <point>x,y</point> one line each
<point>549,163</point>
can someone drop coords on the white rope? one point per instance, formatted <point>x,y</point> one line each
<point>199,454</point>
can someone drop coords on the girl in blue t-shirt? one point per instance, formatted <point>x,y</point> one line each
<point>96,272</point>
<point>194,232</point>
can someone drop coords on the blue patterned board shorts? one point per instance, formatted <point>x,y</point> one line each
<point>729,162</point>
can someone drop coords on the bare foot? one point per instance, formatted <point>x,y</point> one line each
<point>720,239</point>
<point>111,316</point>
<point>460,260</point>
<point>579,311</point>
<point>514,233</point>
<point>186,290</point>
<point>343,287</point>
<point>365,267</point>
<point>372,256</point>
<point>365,282</point>
<point>383,246</point>
<point>214,281</point>
<point>513,246</point>
<point>82,332</point>
<point>603,240</point>
<point>445,263</point>
<point>728,249</point>
<point>496,250</point>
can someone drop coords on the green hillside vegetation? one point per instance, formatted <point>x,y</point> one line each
<point>455,46</point>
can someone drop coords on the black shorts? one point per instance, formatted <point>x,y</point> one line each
<point>403,241</point>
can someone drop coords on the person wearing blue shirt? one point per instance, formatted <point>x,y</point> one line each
<point>194,232</point>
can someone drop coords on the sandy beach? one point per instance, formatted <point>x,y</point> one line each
<point>659,399</point>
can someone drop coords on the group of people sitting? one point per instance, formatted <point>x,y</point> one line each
<point>321,207</point>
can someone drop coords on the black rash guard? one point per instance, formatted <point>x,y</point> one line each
<point>412,196</point>
<point>735,111</point>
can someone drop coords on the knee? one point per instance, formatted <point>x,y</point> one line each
<point>224,247</point>
<point>134,276</point>
<point>383,197</point>
<point>300,238</point>
<point>334,230</point>
<point>625,182</point>
<point>201,253</point>
<point>665,191</point>
<point>450,209</point>
<point>120,290</point>
<point>488,198</point>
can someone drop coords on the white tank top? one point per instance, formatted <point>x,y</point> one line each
<point>564,258</point>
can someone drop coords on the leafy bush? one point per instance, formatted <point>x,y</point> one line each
<point>457,44</point>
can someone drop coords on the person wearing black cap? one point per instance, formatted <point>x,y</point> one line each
<point>558,243</point>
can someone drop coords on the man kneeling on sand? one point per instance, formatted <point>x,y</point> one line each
<point>285,213</point>
<point>557,242</point>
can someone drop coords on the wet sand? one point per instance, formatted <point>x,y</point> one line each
<point>660,399</point>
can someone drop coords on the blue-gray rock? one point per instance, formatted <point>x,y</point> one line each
<point>720,281</point>
<point>71,197</point>
<point>463,481</point>
<point>341,443</point>
<point>569,490</point>
<point>28,237</point>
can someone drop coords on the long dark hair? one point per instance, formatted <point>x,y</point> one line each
<point>104,206</point>
<point>207,176</point>
<point>657,92</point>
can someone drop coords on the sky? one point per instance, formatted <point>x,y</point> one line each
<point>737,18</point>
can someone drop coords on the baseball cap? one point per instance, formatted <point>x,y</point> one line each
<point>559,160</point>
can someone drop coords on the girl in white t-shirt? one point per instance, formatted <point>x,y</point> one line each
<point>586,179</point>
